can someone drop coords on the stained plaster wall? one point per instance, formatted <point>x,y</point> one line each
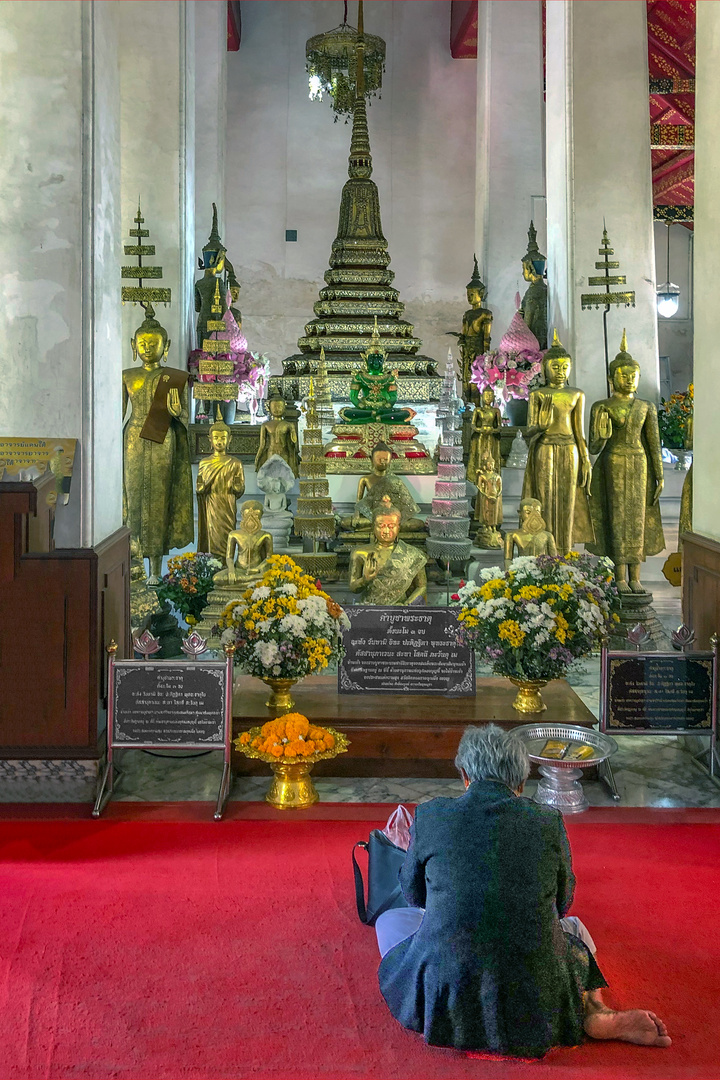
<point>286,162</point>
<point>59,189</point>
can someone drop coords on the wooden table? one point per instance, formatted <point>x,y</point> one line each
<point>399,735</point>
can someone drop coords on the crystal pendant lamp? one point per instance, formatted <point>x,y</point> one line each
<point>668,294</point>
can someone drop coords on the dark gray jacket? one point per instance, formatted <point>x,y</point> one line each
<point>490,967</point>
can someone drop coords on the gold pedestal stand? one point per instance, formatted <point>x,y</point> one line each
<point>528,698</point>
<point>292,786</point>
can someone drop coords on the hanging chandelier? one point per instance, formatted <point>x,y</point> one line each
<point>331,64</point>
<point>668,294</point>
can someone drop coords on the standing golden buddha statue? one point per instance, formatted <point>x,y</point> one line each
<point>476,329</point>
<point>277,436</point>
<point>628,475</point>
<point>485,434</point>
<point>488,505</point>
<point>157,478</point>
<point>220,483</point>
<point>558,469</point>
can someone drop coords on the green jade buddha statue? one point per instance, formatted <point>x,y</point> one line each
<point>373,392</point>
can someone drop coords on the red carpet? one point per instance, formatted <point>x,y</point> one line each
<point>151,949</point>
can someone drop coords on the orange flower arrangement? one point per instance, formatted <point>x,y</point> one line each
<point>290,736</point>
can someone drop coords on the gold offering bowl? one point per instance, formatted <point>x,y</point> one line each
<point>528,698</point>
<point>292,787</point>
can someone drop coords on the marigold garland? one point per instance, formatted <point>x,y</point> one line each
<point>290,736</point>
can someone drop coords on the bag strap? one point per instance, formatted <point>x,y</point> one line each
<point>359,886</point>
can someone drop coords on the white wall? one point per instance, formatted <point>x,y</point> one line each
<point>675,335</point>
<point>286,162</point>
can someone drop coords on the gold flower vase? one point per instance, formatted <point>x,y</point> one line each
<point>528,698</point>
<point>280,698</point>
<point>292,786</point>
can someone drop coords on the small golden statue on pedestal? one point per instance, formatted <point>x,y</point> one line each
<point>628,475</point>
<point>476,329</point>
<point>277,436</point>
<point>485,433</point>
<point>220,483</point>
<point>531,537</point>
<point>157,478</point>
<point>248,549</point>
<point>389,571</point>
<point>373,488</point>
<point>488,506</point>
<point>558,469</point>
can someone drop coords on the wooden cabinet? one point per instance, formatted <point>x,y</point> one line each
<point>58,611</point>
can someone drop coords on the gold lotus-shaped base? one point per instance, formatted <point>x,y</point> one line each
<point>280,698</point>
<point>528,698</point>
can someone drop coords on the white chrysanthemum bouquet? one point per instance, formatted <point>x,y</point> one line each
<point>533,620</point>
<point>285,627</point>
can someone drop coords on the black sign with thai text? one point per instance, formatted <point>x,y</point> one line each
<point>405,650</point>
<point>182,703</point>
<point>659,692</point>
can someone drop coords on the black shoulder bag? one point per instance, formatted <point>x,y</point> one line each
<point>384,892</point>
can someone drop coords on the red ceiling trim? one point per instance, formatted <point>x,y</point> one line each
<point>464,29</point>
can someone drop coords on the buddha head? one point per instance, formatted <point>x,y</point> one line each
<point>220,435</point>
<point>533,262</point>
<point>557,363</point>
<point>150,342</point>
<point>375,355</point>
<point>213,260</point>
<point>276,406</point>
<point>531,519</point>
<point>251,516</point>
<point>475,287</point>
<point>624,370</point>
<point>488,396</point>
<point>386,522</point>
<point>381,456</point>
<point>487,462</point>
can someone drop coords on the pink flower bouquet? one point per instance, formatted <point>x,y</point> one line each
<point>513,369</point>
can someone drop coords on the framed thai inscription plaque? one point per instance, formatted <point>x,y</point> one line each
<point>658,693</point>
<point>405,650</point>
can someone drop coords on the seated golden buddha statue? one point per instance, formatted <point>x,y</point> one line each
<point>373,392</point>
<point>531,537</point>
<point>389,571</point>
<point>374,487</point>
<point>248,549</point>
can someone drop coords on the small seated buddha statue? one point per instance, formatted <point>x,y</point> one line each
<point>248,549</point>
<point>531,537</point>
<point>374,391</point>
<point>389,571</point>
<point>374,487</point>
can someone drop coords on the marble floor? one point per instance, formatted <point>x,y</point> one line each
<point>649,770</point>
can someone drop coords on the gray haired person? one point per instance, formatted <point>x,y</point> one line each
<point>485,958</point>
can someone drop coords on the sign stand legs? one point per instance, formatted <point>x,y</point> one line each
<point>105,785</point>
<point>224,791</point>
<point>608,778</point>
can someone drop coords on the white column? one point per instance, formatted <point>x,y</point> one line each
<point>157,112</point>
<point>598,165</point>
<point>706,365</point>
<point>210,118</point>
<point>510,145</point>
<point>59,254</point>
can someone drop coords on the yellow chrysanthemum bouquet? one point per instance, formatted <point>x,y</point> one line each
<point>291,738</point>
<point>533,620</point>
<point>285,627</point>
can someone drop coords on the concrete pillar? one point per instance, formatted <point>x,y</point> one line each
<point>157,115</point>
<point>59,252</point>
<point>598,165</point>
<point>706,366</point>
<point>510,184</point>
<point>210,118</point>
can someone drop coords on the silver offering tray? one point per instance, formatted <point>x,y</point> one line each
<point>560,786</point>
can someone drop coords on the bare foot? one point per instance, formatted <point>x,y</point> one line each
<point>636,587</point>
<point>623,587</point>
<point>629,1025</point>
